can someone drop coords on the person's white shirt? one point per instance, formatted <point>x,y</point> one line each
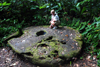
<point>55,17</point>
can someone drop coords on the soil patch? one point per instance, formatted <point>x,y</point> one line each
<point>8,58</point>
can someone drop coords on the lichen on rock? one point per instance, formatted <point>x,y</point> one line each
<point>47,46</point>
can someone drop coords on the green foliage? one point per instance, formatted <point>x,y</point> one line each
<point>4,4</point>
<point>18,14</point>
<point>98,58</point>
<point>81,57</point>
<point>90,33</point>
<point>70,63</point>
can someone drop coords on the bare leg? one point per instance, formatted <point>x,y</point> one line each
<point>52,24</point>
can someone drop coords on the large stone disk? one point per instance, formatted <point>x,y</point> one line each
<point>47,46</point>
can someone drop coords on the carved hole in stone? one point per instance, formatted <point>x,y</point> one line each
<point>40,33</point>
<point>42,45</point>
<point>41,58</point>
<point>28,54</point>
<point>63,42</point>
<point>55,53</point>
<point>40,41</point>
<point>49,38</point>
<point>49,56</point>
<point>44,51</point>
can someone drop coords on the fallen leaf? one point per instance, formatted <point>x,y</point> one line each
<point>89,23</point>
<point>72,47</point>
<point>57,56</point>
<point>66,40</point>
<point>63,39</point>
<point>66,35</point>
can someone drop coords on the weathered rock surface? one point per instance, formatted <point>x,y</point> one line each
<point>47,46</point>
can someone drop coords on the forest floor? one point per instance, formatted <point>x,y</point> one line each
<point>8,58</point>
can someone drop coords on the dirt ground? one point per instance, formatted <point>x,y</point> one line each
<point>8,58</point>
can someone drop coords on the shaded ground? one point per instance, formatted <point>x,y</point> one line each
<point>9,59</point>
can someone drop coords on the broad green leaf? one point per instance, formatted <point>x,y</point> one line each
<point>8,20</point>
<point>33,0</point>
<point>98,23</point>
<point>34,20</point>
<point>56,6</point>
<point>84,32</point>
<point>4,3</point>
<point>72,24</point>
<point>95,44</point>
<point>44,6</point>
<point>82,27</point>
<point>89,29</point>
<point>65,12</point>
<point>33,8</point>
<point>77,23</point>
<point>78,6</point>
<point>78,28</point>
<point>1,28</point>
<point>99,36</point>
<point>73,9</point>
<point>96,35</point>
<point>90,37</point>
<point>74,27</point>
<point>59,4</point>
<point>84,9</point>
<point>97,18</point>
<point>0,4</point>
<point>8,3</point>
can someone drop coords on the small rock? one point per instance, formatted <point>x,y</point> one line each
<point>76,44</point>
<point>8,59</point>
<point>14,63</point>
<point>71,34</point>
<point>88,58</point>
<point>76,65</point>
<point>94,57</point>
<point>23,40</point>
